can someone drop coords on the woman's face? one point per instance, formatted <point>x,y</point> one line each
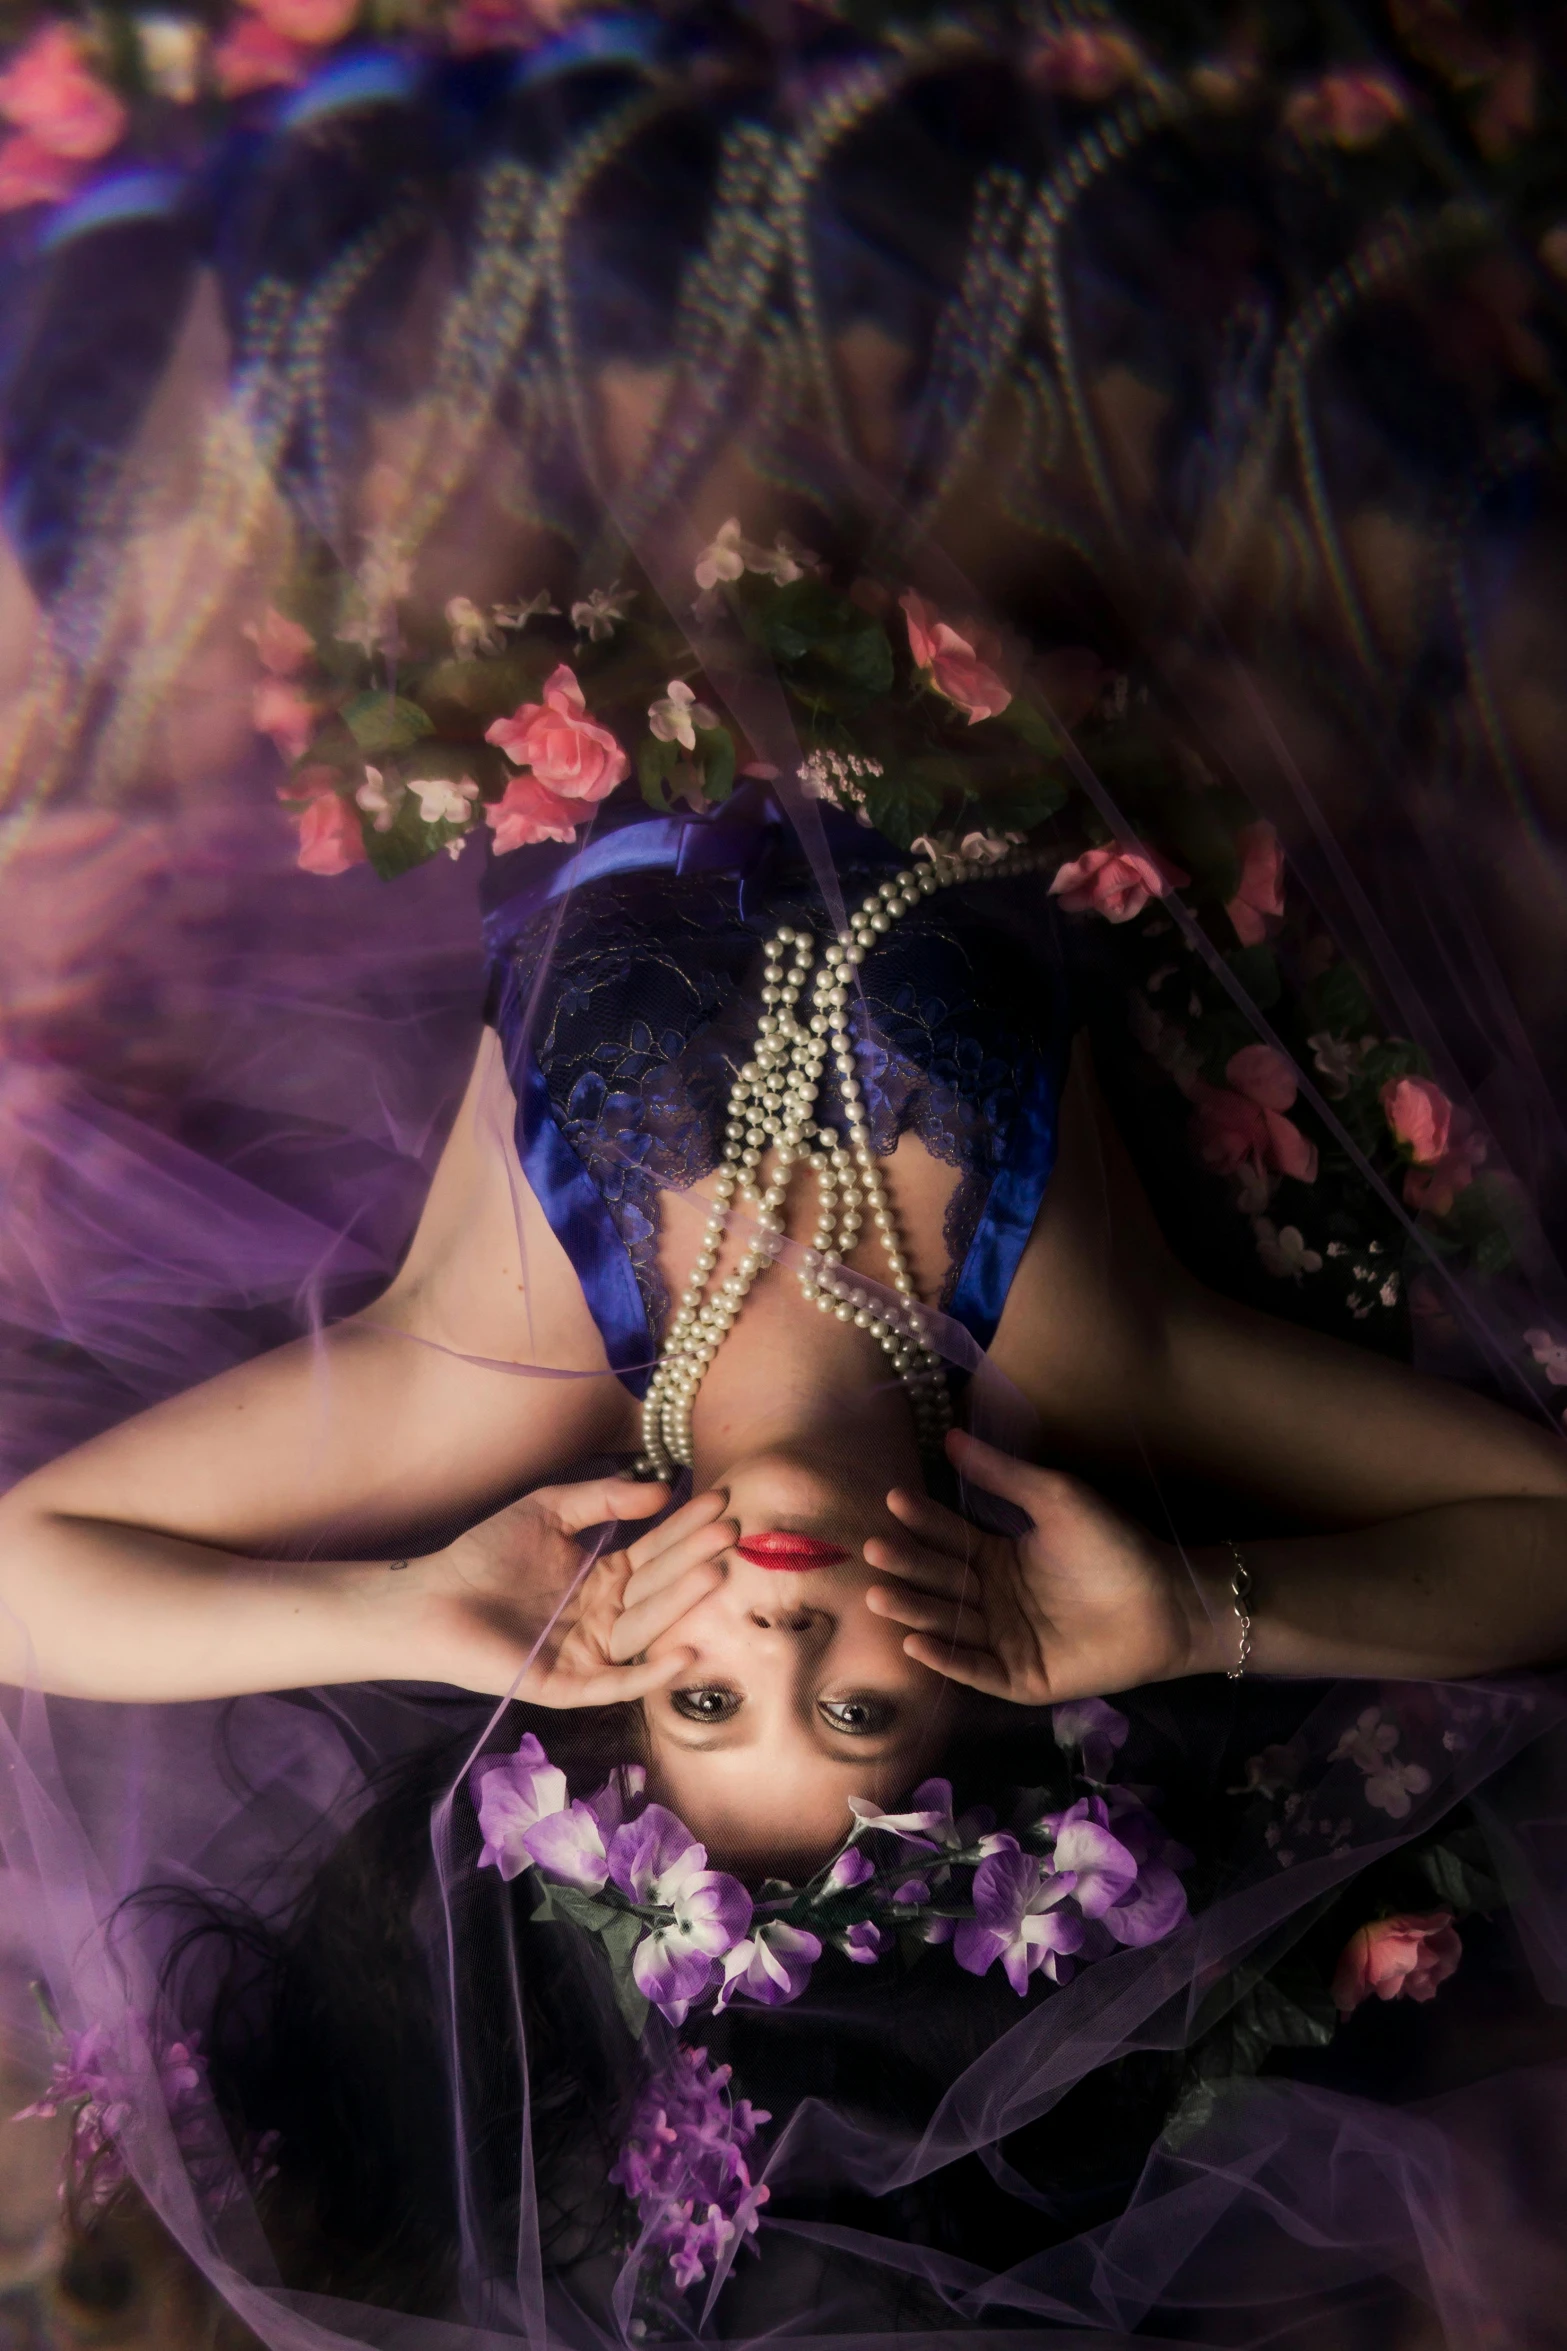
<point>798,1697</point>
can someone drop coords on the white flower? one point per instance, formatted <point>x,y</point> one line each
<point>380,799</point>
<point>785,561</point>
<point>471,632</point>
<point>678,716</point>
<point>383,579</point>
<point>987,848</point>
<point>1337,1061</point>
<point>1550,1354</point>
<point>723,558</point>
<point>1253,1187</point>
<point>1370,1742</point>
<point>596,614</point>
<point>1283,1250</point>
<point>443,802</point>
<point>517,616</point>
<point>1390,1788</point>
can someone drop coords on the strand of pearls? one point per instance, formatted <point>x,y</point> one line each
<point>772,1118</point>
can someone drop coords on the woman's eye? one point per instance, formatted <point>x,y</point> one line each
<point>705,1705</point>
<point>860,1718</point>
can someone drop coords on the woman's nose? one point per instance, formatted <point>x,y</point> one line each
<point>782,1618</point>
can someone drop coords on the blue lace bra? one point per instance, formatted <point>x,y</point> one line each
<point>623,981</point>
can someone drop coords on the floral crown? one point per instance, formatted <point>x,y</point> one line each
<point>1081,1872</point>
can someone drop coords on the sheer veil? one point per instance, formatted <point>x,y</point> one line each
<point>1205,367</point>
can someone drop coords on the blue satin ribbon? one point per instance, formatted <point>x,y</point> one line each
<point>754,837</point>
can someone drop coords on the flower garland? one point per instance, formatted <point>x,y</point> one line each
<point>1067,1884</point>
<point>113,86</point>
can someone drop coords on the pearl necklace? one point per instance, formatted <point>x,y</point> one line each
<point>772,1111</point>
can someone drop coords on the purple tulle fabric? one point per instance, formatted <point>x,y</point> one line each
<point>224,1086</point>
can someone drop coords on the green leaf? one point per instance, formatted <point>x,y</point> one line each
<point>621,1938</point>
<point>902,806</point>
<point>716,748</point>
<point>1033,728</point>
<point>383,723</point>
<point>1457,1882</point>
<point>462,697</point>
<point>839,647</point>
<point>656,763</point>
<point>583,1911</point>
<point>1336,1001</point>
<point>1028,802</point>
<point>1257,969</point>
<point>479,763</point>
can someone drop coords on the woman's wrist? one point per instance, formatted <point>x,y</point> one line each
<point>1210,1618</point>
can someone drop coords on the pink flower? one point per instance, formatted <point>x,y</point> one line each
<point>1397,1959</point>
<point>280,710</point>
<point>282,645</point>
<point>1242,1131</point>
<point>955,668</point>
<point>1350,109</point>
<point>569,755</point>
<point>1084,62</point>
<point>330,839</point>
<point>50,90</point>
<point>1550,1354</point>
<point>30,174</point>
<point>1116,882</point>
<point>1443,1141</point>
<point>315,23</point>
<point>1259,895</point>
<point>252,56</point>
<point>526,813</point>
<point>493,24</point>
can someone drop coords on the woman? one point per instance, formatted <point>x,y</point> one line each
<point>1081,313</point>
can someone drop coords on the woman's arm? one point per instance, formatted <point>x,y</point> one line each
<point>1131,1363</point>
<point>197,1529</point>
<point>1088,1601</point>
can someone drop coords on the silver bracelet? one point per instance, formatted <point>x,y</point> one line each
<point>1240,1594</point>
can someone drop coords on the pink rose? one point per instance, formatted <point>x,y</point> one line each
<point>956,669</point>
<point>1241,1129</point>
<point>30,174</point>
<point>50,90</point>
<point>315,23</point>
<point>568,754</point>
<point>1443,1141</point>
<point>529,811</point>
<point>282,645</point>
<point>1351,109</point>
<point>1260,892</point>
<point>330,838</point>
<point>1082,62</point>
<point>1116,882</point>
<point>280,710</point>
<point>1398,1959</point>
<point>251,56</point>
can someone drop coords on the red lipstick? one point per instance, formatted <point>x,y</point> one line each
<point>782,1550</point>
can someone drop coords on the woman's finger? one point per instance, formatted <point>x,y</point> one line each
<point>934,1524</point>
<point>634,1628</point>
<point>699,1512</point>
<point>619,1684</point>
<point>945,1620</point>
<point>697,1546</point>
<point>927,1570</point>
<point>599,1502</point>
<point>976,1669</point>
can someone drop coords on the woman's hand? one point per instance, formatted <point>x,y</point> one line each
<point>485,1601</point>
<point>1085,1602</point>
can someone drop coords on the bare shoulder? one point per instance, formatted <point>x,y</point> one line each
<point>1082,1333</point>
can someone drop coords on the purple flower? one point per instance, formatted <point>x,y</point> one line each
<point>103,2080</point>
<point>1101,1867</point>
<point>861,1942</point>
<point>772,1966</point>
<point>1018,1919</point>
<point>683,2164</point>
<point>851,1868</point>
<point>1094,1728</point>
<point>1151,1908</point>
<point>656,1862</point>
<point>568,1847</point>
<point>511,1796</point>
<point>930,1826</point>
